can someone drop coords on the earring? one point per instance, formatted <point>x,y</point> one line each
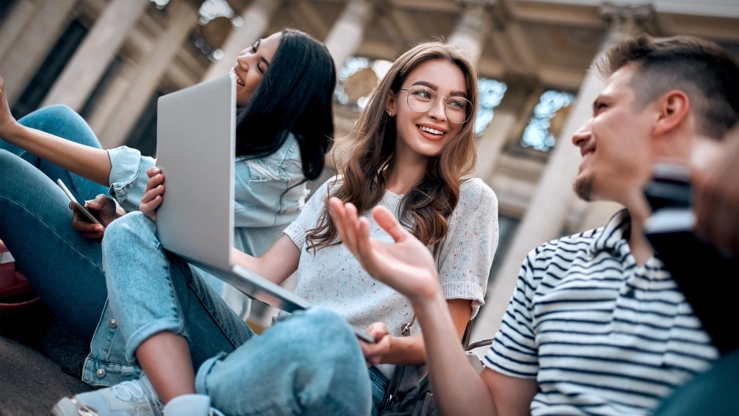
<point>390,113</point>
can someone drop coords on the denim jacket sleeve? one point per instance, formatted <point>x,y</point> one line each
<point>128,176</point>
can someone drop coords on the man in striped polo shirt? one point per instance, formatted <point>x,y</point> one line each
<point>596,324</point>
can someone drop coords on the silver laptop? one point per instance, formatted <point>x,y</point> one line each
<point>196,139</point>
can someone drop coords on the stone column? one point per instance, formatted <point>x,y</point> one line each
<point>548,208</point>
<point>473,28</point>
<point>16,23</point>
<point>182,17</point>
<point>256,19</point>
<point>97,50</point>
<point>506,119</point>
<point>347,33</point>
<point>32,30</point>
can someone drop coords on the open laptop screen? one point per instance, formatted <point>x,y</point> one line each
<point>195,149</point>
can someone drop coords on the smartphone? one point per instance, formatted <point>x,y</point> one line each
<point>82,209</point>
<point>704,274</point>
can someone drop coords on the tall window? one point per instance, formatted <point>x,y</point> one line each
<point>538,134</point>
<point>507,227</point>
<point>357,79</point>
<point>491,93</point>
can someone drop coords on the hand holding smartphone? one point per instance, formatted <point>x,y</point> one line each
<point>77,205</point>
<point>703,274</point>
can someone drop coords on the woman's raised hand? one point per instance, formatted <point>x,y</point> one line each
<point>405,265</point>
<point>7,120</point>
<point>154,193</point>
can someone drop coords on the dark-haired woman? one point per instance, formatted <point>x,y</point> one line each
<point>413,147</point>
<point>284,128</point>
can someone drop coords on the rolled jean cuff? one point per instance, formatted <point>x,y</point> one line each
<point>147,331</point>
<point>201,382</point>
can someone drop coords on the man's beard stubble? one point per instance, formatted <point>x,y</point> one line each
<point>584,188</point>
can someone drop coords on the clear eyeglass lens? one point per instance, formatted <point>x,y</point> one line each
<point>421,99</point>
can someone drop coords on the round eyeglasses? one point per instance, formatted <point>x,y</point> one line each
<point>422,99</point>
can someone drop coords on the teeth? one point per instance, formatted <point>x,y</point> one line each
<point>432,131</point>
<point>238,78</point>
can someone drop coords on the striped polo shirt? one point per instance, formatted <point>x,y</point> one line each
<point>600,334</point>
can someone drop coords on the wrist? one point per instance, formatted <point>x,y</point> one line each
<point>429,294</point>
<point>12,131</point>
<point>429,302</point>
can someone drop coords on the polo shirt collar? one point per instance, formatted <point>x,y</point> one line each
<point>612,235</point>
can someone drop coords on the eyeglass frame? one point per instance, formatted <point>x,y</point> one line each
<point>469,115</point>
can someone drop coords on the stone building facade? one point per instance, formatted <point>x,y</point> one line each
<point>111,59</point>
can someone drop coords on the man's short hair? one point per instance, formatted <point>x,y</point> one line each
<point>706,72</point>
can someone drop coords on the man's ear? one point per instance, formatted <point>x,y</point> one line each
<point>673,108</point>
<point>390,104</point>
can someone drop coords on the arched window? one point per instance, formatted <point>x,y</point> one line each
<point>538,133</point>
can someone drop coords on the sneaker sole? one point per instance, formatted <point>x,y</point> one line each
<point>65,407</point>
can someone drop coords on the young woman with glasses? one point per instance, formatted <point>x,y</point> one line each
<point>284,87</point>
<point>411,151</point>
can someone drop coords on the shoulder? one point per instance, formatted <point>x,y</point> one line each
<point>561,251</point>
<point>474,194</point>
<point>327,188</point>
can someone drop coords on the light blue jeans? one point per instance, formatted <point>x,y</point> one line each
<point>308,364</point>
<point>63,267</point>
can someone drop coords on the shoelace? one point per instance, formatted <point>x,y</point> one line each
<point>137,390</point>
<point>128,391</point>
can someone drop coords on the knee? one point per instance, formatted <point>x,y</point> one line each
<point>10,166</point>
<point>6,158</point>
<point>328,338</point>
<point>51,115</point>
<point>127,234</point>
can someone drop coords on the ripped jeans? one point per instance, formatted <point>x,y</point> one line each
<point>309,363</point>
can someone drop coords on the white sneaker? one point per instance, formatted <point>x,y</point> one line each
<point>190,405</point>
<point>130,398</point>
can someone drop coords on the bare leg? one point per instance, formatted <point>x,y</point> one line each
<point>165,359</point>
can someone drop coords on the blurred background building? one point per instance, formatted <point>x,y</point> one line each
<point>110,60</point>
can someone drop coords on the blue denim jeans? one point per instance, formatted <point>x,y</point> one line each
<point>63,267</point>
<point>309,364</point>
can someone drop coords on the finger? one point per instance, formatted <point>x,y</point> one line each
<point>155,181</point>
<point>94,236</point>
<point>85,226</point>
<point>350,219</point>
<point>152,205</point>
<point>378,329</point>
<point>82,224</point>
<point>364,245</point>
<point>152,171</point>
<point>336,210</point>
<point>365,348</point>
<point>152,194</point>
<point>389,223</point>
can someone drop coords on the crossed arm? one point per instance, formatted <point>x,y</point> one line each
<point>408,267</point>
